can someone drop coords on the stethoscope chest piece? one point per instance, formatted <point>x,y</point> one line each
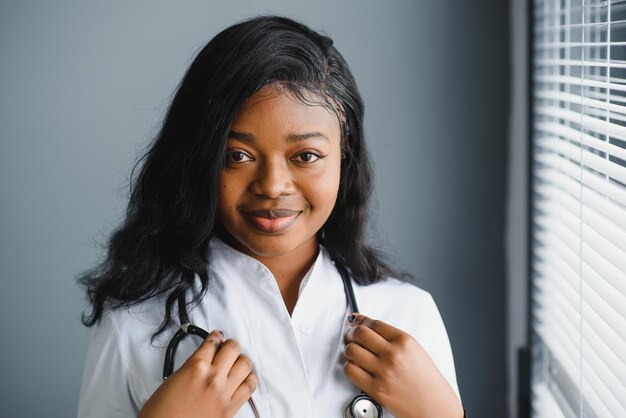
<point>362,406</point>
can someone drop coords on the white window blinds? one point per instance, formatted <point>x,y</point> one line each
<point>579,209</point>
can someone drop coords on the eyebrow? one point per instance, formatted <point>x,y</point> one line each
<point>248,137</point>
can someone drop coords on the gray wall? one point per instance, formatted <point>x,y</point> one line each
<point>84,86</point>
<point>517,208</point>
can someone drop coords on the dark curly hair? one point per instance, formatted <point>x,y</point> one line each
<point>162,245</point>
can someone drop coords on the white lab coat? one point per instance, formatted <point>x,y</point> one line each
<point>298,359</point>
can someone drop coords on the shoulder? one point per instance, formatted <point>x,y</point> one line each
<point>390,286</point>
<point>414,311</point>
<point>403,305</point>
<point>126,332</point>
<point>396,300</point>
<point>132,328</point>
<point>122,363</point>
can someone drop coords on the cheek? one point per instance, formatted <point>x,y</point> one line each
<point>223,194</point>
<point>227,197</point>
<point>325,189</point>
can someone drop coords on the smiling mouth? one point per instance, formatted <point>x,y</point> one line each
<point>272,221</point>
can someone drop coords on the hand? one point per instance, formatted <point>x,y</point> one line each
<point>215,382</point>
<point>393,368</point>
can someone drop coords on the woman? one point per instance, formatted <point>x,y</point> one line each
<point>250,203</point>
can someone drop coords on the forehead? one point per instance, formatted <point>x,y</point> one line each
<point>276,107</point>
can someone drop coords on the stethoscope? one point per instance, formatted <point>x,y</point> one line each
<point>362,406</point>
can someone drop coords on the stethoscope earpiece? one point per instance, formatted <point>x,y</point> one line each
<point>363,406</point>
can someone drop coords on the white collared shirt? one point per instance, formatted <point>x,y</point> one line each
<point>298,359</point>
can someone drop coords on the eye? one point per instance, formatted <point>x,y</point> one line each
<point>237,156</point>
<point>308,157</point>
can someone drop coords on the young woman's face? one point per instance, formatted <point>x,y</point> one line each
<point>281,176</point>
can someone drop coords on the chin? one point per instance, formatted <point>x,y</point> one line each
<point>273,246</point>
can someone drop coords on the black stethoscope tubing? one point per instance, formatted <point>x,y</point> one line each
<point>352,410</point>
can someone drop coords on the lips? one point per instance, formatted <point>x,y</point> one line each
<point>272,221</point>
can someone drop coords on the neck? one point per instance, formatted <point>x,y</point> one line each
<point>288,269</point>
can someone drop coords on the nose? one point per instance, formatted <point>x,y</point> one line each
<point>273,180</point>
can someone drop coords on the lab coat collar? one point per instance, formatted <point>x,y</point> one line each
<point>309,340</point>
<point>322,283</point>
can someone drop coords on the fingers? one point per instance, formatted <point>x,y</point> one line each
<point>223,357</point>
<point>241,377</point>
<point>216,376</point>
<point>245,389</point>
<point>242,368</point>
<point>367,338</point>
<point>388,332</point>
<point>209,347</point>
<point>362,357</point>
<point>227,355</point>
<point>361,378</point>
<point>234,365</point>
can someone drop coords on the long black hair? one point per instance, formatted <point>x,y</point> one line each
<point>162,245</point>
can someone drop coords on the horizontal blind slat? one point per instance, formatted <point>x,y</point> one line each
<point>559,62</point>
<point>543,403</point>
<point>606,333</point>
<point>578,208</point>
<point>594,212</point>
<point>589,123</point>
<point>612,297</point>
<point>561,256</point>
<point>549,335</point>
<point>558,203</point>
<point>609,380</point>
<point>576,100</point>
<point>594,302</point>
<point>554,285</point>
<point>577,81</point>
<point>605,269</point>
<point>575,136</point>
<point>610,252</point>
<point>593,183</point>
<point>589,159</point>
